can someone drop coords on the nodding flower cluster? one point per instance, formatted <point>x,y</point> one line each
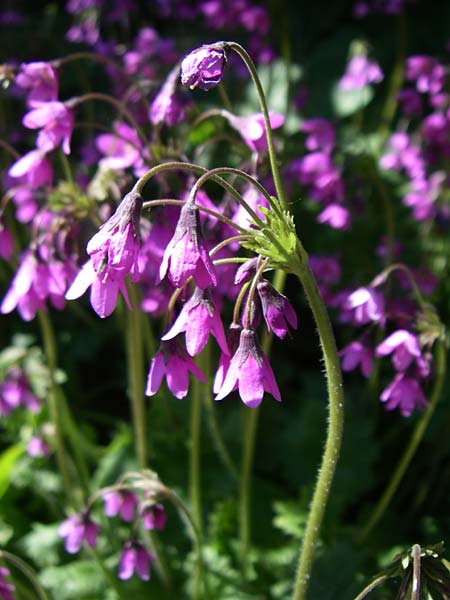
<point>125,503</point>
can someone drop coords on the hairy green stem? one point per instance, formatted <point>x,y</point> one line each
<point>26,570</point>
<point>54,408</point>
<point>335,426</point>
<point>136,381</point>
<point>411,449</point>
<point>194,457</point>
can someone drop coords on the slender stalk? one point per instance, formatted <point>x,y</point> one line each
<point>415,588</point>
<point>335,426</point>
<point>411,449</point>
<point>248,452</point>
<point>375,583</point>
<point>54,408</point>
<point>106,572</point>
<point>195,476</point>
<point>27,571</point>
<point>262,100</point>
<point>135,358</point>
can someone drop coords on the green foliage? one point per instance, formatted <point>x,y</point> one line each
<point>79,580</point>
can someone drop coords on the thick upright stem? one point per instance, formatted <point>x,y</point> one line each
<point>334,434</point>
<point>136,378</point>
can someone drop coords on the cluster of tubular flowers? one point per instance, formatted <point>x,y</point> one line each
<point>369,307</point>
<point>125,503</point>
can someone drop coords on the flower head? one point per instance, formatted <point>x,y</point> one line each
<point>174,363</point>
<point>204,66</point>
<point>250,372</point>
<point>364,305</point>
<point>404,393</point>
<point>38,447</point>
<point>404,347</point>
<point>354,354</point>
<point>253,129</point>
<point>135,559</point>
<point>6,588</point>
<point>56,122</point>
<point>121,502</point>
<point>76,530</point>
<point>114,252</point>
<point>153,516</point>
<point>277,309</point>
<point>186,254</point>
<point>41,81</point>
<point>168,106</point>
<point>198,318</point>
<point>360,72</point>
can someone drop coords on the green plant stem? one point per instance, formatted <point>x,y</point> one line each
<point>54,408</point>
<point>248,451</point>
<point>335,426</point>
<point>107,572</point>
<point>29,573</point>
<point>411,449</point>
<point>136,391</point>
<point>195,476</point>
<point>262,100</point>
<point>375,583</point>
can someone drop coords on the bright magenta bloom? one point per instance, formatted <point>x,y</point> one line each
<point>277,310</point>
<point>250,372</point>
<point>174,363</point>
<point>198,318</point>
<point>204,67</point>
<point>56,122</point>
<point>121,502</point>
<point>135,559</point>
<point>186,254</point>
<point>114,252</point>
<point>41,81</point>
<point>405,394</point>
<point>78,529</point>
<point>404,347</point>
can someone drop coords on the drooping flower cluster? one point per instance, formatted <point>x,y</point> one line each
<point>15,392</point>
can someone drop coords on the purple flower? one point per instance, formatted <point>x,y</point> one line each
<point>321,135</point>
<point>277,309</point>
<point>253,130</point>
<point>186,254</point>
<point>122,149</point>
<point>34,167</point>
<point>6,242</point>
<point>76,530</point>
<point>174,363</point>
<point>6,589</point>
<point>15,391</point>
<point>135,559</point>
<point>204,66</point>
<point>167,106</point>
<point>250,372</point>
<point>405,394</point>
<point>198,318</point>
<point>404,347</point>
<point>234,334</point>
<point>38,447</point>
<point>34,282</point>
<point>114,252</point>
<point>336,216</point>
<point>360,72</point>
<point>356,353</point>
<point>255,200</point>
<point>121,502</point>
<point>153,516</point>
<point>364,305</point>
<point>56,122</point>
<point>423,195</point>
<point>41,81</point>
<point>410,101</point>
<point>427,72</point>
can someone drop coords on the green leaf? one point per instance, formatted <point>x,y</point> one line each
<point>75,581</point>
<point>290,517</point>
<point>202,132</point>
<point>348,102</point>
<point>8,460</point>
<point>42,544</point>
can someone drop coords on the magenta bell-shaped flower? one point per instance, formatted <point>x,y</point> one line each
<point>250,372</point>
<point>114,252</point>
<point>135,559</point>
<point>76,530</point>
<point>198,318</point>
<point>204,66</point>
<point>186,254</point>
